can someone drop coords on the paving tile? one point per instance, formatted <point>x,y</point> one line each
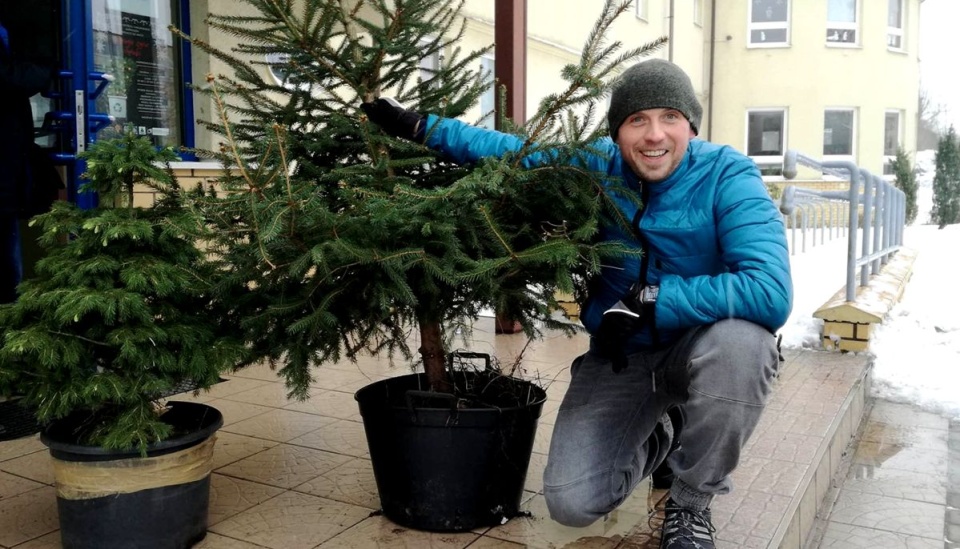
<point>216,541</point>
<point>845,536</point>
<point>49,541</point>
<point>889,514</point>
<point>27,516</point>
<point>231,447</point>
<point>353,483</point>
<point>328,403</point>
<point>784,446</point>
<point>284,466</point>
<point>230,496</point>
<point>278,425</point>
<point>904,435</point>
<point>379,532</point>
<point>235,412</point>
<point>347,381</point>
<point>13,485</point>
<point>905,415</point>
<point>879,455</point>
<point>273,395</point>
<point>797,422</point>
<point>36,466</point>
<point>895,483</point>
<point>233,386</point>
<point>486,542</point>
<point>769,476</point>
<point>10,449</point>
<point>292,520</point>
<point>539,531</point>
<point>341,436</point>
<point>534,480</point>
<point>263,372</point>
<point>743,516</point>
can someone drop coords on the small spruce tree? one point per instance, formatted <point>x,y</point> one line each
<point>905,179</point>
<point>339,238</point>
<point>120,312</point>
<point>946,181</point>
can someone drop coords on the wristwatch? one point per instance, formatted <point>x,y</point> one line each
<point>648,295</point>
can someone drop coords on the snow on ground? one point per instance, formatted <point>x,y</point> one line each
<point>917,348</point>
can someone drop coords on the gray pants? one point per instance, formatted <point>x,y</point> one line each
<point>606,437</point>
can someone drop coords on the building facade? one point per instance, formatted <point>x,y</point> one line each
<point>836,79</point>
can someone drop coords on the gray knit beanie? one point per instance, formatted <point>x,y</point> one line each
<point>653,84</point>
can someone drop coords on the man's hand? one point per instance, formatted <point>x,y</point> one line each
<point>619,324</point>
<point>394,119</point>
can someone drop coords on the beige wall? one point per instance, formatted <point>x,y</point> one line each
<point>806,77</point>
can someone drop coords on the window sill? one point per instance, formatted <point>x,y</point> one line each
<point>842,46</point>
<point>776,45</point>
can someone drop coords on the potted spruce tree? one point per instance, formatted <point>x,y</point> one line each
<point>339,240</point>
<point>119,314</point>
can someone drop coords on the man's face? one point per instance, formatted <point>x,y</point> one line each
<point>654,141</point>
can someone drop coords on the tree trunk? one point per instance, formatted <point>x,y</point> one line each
<point>431,350</point>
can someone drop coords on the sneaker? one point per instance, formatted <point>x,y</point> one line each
<point>662,476</point>
<point>686,529</point>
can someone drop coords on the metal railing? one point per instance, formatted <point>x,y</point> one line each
<point>883,212</point>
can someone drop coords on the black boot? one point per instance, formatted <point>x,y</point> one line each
<point>686,528</point>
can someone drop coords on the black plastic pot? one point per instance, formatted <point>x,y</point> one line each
<point>440,467</point>
<point>16,420</point>
<point>170,513</point>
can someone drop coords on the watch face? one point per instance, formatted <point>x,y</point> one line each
<point>650,294</point>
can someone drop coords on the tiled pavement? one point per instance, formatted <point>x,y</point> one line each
<point>293,475</point>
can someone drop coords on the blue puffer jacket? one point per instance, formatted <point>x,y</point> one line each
<point>713,239</point>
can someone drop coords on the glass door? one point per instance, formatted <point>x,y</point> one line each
<point>119,68</point>
<point>133,44</point>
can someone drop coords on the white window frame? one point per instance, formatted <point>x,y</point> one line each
<point>487,67</point>
<point>698,13</point>
<point>774,25</point>
<point>640,9</point>
<point>852,157</point>
<point>766,160</point>
<point>837,28</point>
<point>896,33</point>
<point>889,158</point>
<point>429,64</point>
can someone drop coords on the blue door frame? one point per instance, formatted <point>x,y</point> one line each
<point>76,119</point>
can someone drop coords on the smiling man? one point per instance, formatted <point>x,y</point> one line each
<point>682,353</point>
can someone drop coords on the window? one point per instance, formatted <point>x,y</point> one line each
<point>769,22</point>
<point>891,140</point>
<point>838,127</point>
<point>429,63</point>
<point>131,42</point>
<point>488,101</point>
<point>895,24</point>
<point>641,7</point>
<point>698,13</point>
<point>842,24</point>
<point>766,139</point>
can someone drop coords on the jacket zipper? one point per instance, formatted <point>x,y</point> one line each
<point>645,258</point>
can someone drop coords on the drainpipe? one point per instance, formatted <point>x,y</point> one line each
<point>670,35</point>
<point>713,62</point>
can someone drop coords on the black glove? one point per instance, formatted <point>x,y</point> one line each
<point>394,119</point>
<point>619,324</point>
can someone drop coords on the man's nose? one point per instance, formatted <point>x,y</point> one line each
<point>654,131</point>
